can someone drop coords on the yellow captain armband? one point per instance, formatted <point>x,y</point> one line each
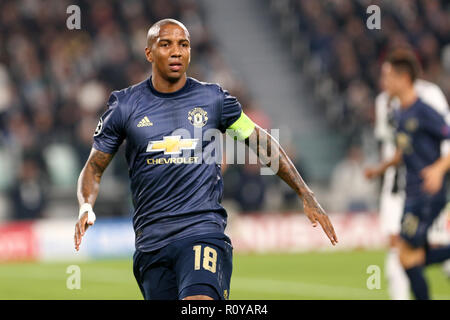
<point>242,128</point>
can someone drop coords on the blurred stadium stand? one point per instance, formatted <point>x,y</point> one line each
<point>341,57</point>
<point>54,83</point>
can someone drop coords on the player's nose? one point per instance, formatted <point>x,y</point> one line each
<point>175,54</point>
<point>177,51</point>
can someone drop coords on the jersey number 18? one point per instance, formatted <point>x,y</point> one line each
<point>209,258</point>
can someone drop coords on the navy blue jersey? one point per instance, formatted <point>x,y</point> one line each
<point>420,130</point>
<point>175,186</point>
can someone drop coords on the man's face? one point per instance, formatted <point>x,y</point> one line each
<point>170,52</point>
<point>391,80</point>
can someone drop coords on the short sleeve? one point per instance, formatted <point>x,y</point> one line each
<point>109,134</point>
<point>434,123</point>
<point>231,111</point>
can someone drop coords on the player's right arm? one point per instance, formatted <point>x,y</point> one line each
<point>380,169</point>
<point>108,137</point>
<point>87,189</point>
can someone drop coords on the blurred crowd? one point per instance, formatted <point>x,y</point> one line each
<point>341,58</point>
<point>349,54</point>
<point>54,84</point>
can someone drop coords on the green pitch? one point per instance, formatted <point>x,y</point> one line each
<point>340,275</point>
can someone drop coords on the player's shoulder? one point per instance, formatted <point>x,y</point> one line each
<point>126,96</point>
<point>424,107</point>
<point>382,99</point>
<point>207,86</point>
<point>432,94</point>
<point>383,95</point>
<point>421,84</point>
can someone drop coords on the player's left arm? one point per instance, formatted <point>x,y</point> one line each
<point>270,151</point>
<point>433,175</point>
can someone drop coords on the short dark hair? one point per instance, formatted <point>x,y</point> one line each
<point>153,32</point>
<point>405,61</point>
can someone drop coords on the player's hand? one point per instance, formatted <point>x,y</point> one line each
<point>80,228</point>
<point>316,214</point>
<point>433,177</point>
<point>371,173</point>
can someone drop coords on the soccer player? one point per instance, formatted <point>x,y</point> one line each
<point>181,249</point>
<point>393,190</point>
<point>420,131</point>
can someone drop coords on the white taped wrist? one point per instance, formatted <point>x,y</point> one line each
<point>86,207</point>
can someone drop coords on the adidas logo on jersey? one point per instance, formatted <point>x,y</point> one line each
<point>145,122</point>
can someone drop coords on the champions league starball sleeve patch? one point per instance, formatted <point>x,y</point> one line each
<point>109,134</point>
<point>99,127</point>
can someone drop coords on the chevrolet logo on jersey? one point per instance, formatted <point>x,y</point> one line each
<point>179,160</point>
<point>172,145</point>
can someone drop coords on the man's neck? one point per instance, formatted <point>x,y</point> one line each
<point>162,85</point>
<point>407,97</point>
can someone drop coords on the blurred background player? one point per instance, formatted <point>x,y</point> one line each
<point>393,189</point>
<point>420,131</point>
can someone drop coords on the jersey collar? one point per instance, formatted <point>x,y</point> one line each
<point>171,94</point>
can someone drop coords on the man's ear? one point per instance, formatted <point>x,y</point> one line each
<point>148,55</point>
